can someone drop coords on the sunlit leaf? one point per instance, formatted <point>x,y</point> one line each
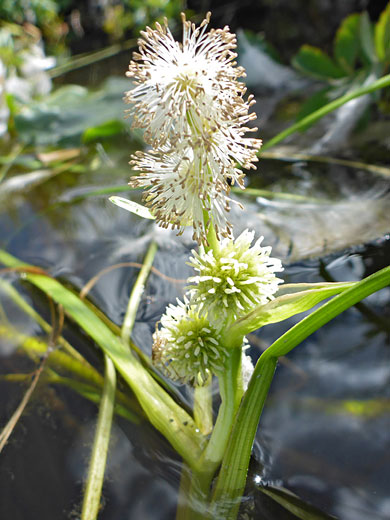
<point>315,62</point>
<point>367,38</point>
<point>346,43</point>
<point>132,206</point>
<point>382,35</point>
<point>290,300</point>
<point>107,129</point>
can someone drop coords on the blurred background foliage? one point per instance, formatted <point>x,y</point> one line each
<point>337,46</point>
<point>90,24</point>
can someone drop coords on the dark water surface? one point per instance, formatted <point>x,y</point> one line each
<point>325,431</point>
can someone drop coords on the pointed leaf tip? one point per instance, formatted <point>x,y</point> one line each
<point>131,206</point>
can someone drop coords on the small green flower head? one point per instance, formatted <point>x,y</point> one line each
<point>187,348</point>
<point>235,279</point>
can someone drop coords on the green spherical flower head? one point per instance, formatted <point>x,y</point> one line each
<point>187,347</point>
<point>233,280</point>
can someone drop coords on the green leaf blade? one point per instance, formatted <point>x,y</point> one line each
<point>290,300</point>
<point>163,412</point>
<point>367,38</point>
<point>97,466</point>
<point>231,480</point>
<point>103,131</point>
<point>382,35</point>
<point>314,62</point>
<point>346,43</point>
<point>294,504</point>
<point>383,82</point>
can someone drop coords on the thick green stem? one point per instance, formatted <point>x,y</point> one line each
<point>196,506</point>
<point>94,484</point>
<point>203,410</point>
<point>227,494</point>
<point>228,387</point>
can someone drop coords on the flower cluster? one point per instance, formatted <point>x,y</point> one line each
<point>189,101</point>
<point>234,279</point>
<point>187,347</point>
<point>231,281</point>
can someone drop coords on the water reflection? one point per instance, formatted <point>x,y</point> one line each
<point>325,430</point>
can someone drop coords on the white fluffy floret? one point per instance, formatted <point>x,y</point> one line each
<point>233,280</point>
<point>187,86</point>
<point>189,102</point>
<point>187,347</point>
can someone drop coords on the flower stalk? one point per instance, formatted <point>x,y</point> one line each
<point>189,100</point>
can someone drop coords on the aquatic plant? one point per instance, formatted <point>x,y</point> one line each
<point>191,106</point>
<point>196,134</point>
<point>192,110</point>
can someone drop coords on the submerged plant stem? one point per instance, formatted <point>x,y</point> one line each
<point>197,503</point>
<point>10,290</point>
<point>163,412</point>
<point>232,477</point>
<point>183,511</point>
<point>136,293</point>
<point>9,427</point>
<point>101,442</point>
<point>228,387</point>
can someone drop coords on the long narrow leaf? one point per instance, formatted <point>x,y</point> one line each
<point>136,293</point>
<point>82,373</point>
<point>232,477</point>
<point>101,442</point>
<point>165,415</point>
<point>291,299</point>
<point>294,504</point>
<point>133,207</point>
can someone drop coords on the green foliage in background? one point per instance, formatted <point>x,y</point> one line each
<point>121,17</point>
<point>63,21</point>
<point>361,54</point>
<point>46,15</point>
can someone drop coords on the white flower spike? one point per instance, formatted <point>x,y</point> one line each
<point>180,186</point>
<point>189,101</point>
<point>186,87</point>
